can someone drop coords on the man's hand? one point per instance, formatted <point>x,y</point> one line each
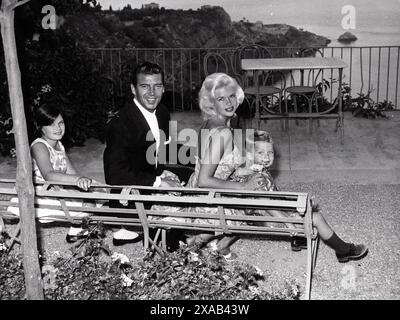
<point>168,183</point>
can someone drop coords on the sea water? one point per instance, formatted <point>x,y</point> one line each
<point>374,22</point>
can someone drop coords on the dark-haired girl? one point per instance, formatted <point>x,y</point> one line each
<point>50,161</point>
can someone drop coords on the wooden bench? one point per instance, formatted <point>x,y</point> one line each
<point>142,216</point>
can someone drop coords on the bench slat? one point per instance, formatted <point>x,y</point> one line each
<point>299,205</point>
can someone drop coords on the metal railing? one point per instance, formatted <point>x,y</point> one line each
<point>374,69</point>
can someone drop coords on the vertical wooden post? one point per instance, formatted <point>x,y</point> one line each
<point>25,190</point>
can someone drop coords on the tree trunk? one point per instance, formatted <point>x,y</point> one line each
<point>25,190</point>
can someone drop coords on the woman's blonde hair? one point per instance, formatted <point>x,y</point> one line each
<point>207,92</point>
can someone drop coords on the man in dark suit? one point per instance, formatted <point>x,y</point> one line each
<point>135,136</point>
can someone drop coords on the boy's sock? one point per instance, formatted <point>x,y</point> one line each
<point>338,244</point>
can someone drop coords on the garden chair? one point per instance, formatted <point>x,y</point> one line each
<point>305,92</point>
<point>267,89</point>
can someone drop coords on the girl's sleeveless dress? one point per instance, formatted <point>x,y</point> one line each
<point>58,160</point>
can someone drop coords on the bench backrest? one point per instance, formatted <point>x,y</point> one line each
<point>143,197</point>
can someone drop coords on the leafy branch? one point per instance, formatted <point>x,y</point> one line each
<point>361,106</point>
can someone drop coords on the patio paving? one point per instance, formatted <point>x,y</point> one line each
<point>369,154</point>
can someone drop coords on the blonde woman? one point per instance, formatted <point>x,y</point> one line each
<point>219,155</point>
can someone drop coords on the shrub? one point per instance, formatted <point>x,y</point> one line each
<point>57,60</point>
<point>77,85</point>
<point>187,273</point>
<point>12,274</point>
<point>190,273</point>
<point>361,106</point>
<point>7,145</point>
<point>364,106</point>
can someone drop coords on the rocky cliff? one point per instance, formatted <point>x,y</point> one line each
<point>202,28</point>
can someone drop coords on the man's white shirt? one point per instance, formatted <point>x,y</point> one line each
<point>155,130</point>
<point>151,121</point>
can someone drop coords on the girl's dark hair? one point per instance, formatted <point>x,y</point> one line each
<point>44,115</point>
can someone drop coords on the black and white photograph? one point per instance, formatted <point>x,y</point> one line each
<point>198,158</point>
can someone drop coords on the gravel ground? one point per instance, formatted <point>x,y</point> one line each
<point>359,213</point>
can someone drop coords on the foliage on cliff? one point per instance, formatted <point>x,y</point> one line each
<point>202,28</point>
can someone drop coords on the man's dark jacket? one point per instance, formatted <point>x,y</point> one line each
<point>124,158</point>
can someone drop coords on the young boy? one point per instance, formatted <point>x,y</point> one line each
<point>259,157</point>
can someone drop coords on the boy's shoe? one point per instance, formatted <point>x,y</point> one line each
<point>356,252</point>
<point>298,243</point>
<point>74,234</point>
<point>120,242</point>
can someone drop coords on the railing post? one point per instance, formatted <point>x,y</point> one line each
<point>190,79</point>
<point>388,73</point>
<point>397,77</point>
<point>351,66</point>
<point>379,74</point>
<point>182,89</point>
<point>369,68</point>
<point>173,81</point>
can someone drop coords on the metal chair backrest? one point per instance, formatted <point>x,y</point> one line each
<point>214,62</point>
<point>255,51</point>
<point>310,52</point>
<point>250,51</point>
